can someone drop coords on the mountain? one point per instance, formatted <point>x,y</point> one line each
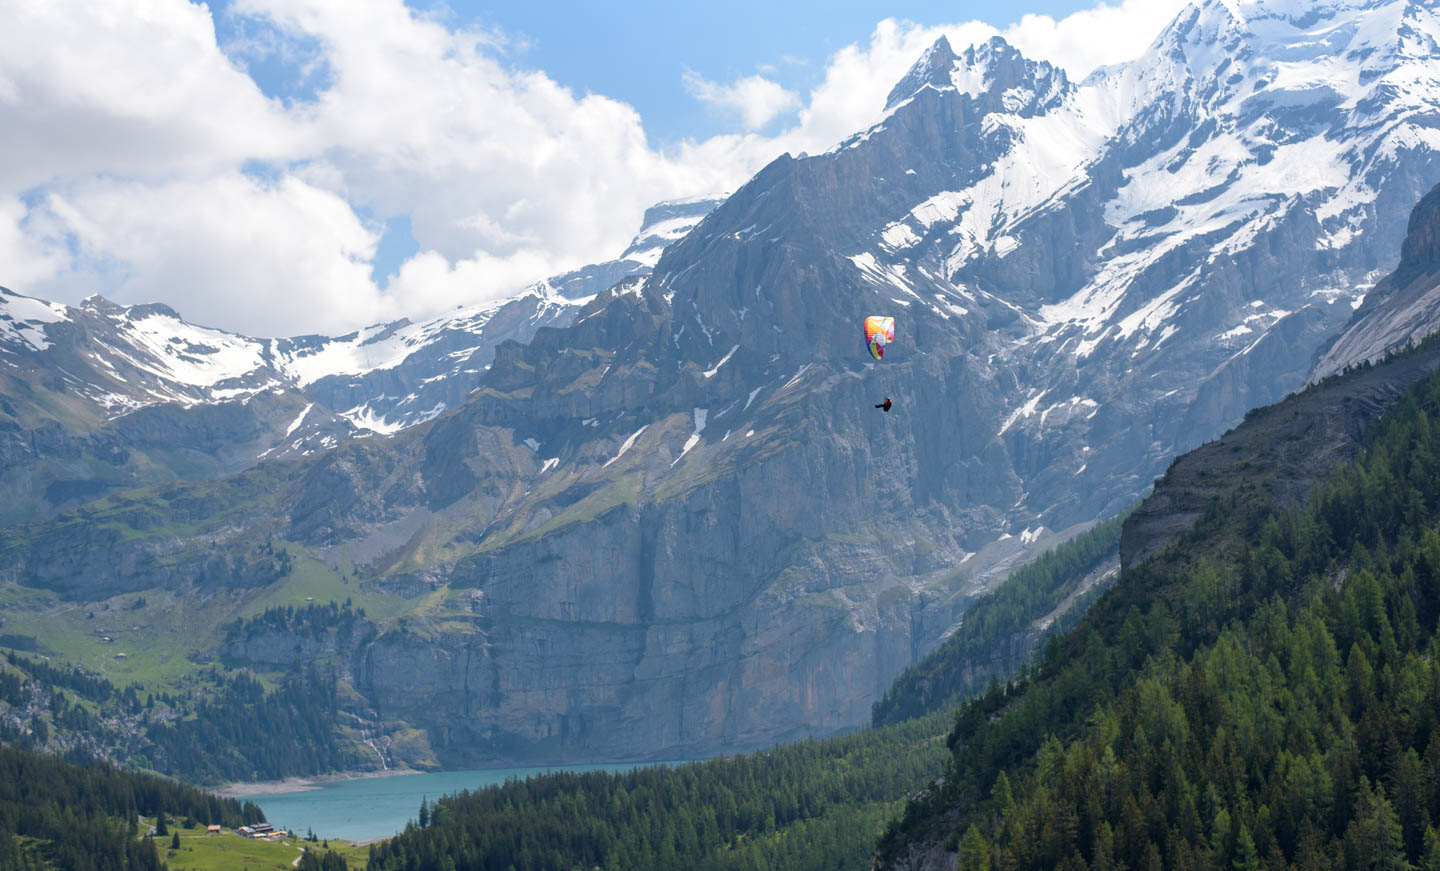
<point>817,804</point>
<point>1235,614</point>
<point>1402,309</point>
<point>99,395</point>
<point>1260,690</point>
<point>677,526</point>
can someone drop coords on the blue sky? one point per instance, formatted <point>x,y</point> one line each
<point>639,51</point>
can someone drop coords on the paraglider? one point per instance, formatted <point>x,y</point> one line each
<point>879,332</point>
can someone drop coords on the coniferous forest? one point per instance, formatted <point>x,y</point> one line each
<point>810,805</point>
<point>57,815</point>
<point>212,739</point>
<point>1265,694</point>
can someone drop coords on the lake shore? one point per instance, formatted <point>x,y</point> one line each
<point>248,789</point>
<point>366,806</point>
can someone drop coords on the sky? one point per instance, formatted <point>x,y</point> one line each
<point>282,167</point>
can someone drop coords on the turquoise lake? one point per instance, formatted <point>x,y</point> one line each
<point>376,807</point>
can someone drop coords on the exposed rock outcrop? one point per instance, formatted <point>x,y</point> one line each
<point>1402,309</point>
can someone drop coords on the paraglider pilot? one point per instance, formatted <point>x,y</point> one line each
<point>885,405</point>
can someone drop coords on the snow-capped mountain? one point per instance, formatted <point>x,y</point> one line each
<point>154,355</point>
<point>81,373</point>
<point>680,517</point>
<point>1176,234</point>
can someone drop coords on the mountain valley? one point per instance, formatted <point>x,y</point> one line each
<point>663,521</point>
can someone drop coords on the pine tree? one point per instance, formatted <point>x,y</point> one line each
<point>1431,861</point>
<point>974,851</point>
<point>1246,857</point>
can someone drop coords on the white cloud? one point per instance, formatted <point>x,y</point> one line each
<point>136,88</point>
<point>29,255</point>
<point>1107,34</point>
<point>131,141</point>
<point>282,258</point>
<point>756,99</point>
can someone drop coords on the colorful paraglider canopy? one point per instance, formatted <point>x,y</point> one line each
<point>879,332</point>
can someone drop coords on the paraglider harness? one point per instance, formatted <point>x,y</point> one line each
<point>885,405</point>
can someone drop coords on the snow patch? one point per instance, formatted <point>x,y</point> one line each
<point>364,417</point>
<point>626,445</point>
<point>793,379</point>
<point>710,373</point>
<point>1025,410</point>
<point>24,318</point>
<point>295,424</point>
<point>899,235</point>
<point>700,415</point>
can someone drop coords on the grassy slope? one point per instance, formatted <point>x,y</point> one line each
<point>227,851</point>
<point>159,637</point>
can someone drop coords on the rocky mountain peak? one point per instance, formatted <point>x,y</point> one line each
<point>100,305</point>
<point>996,66</point>
<point>932,70</point>
<point>1201,40</point>
<point>152,309</point>
<point>666,222</point>
<point>993,71</point>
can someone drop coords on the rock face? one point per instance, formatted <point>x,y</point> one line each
<point>1402,309</point>
<point>927,856</point>
<point>677,526</point>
